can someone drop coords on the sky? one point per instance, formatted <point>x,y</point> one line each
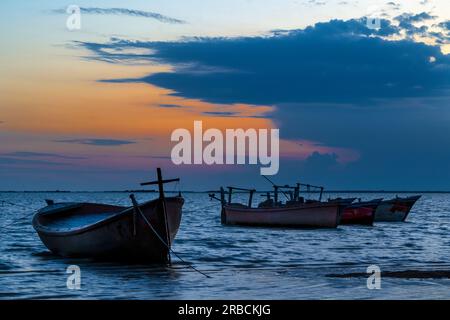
<point>94,108</point>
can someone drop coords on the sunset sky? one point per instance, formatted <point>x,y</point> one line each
<point>93,109</point>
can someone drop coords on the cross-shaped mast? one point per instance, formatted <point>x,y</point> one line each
<point>160,182</point>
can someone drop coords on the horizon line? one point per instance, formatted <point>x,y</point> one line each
<point>211,191</point>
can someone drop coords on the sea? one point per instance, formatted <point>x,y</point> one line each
<point>239,262</point>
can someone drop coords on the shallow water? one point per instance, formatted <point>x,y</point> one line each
<point>242,262</point>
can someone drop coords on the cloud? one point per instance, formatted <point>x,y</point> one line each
<point>316,3</point>
<point>338,83</point>
<point>221,113</point>
<point>318,161</point>
<point>98,142</point>
<point>445,25</point>
<point>338,61</point>
<point>407,22</point>
<point>7,161</point>
<point>29,154</point>
<point>170,106</point>
<point>410,18</point>
<point>392,4</point>
<point>125,12</point>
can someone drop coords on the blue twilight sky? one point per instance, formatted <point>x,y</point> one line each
<point>357,107</point>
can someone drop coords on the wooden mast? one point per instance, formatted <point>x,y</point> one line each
<point>160,182</point>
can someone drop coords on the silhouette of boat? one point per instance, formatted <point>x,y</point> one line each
<point>395,210</point>
<point>295,212</point>
<point>139,233</point>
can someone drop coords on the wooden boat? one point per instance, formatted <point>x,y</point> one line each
<point>362,212</point>
<point>139,233</point>
<point>294,213</point>
<point>395,210</point>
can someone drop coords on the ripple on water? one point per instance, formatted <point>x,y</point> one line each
<point>242,262</point>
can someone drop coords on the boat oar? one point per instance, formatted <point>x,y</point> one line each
<point>138,210</point>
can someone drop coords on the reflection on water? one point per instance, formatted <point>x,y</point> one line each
<point>248,263</point>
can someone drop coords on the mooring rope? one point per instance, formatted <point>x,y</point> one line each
<point>14,221</point>
<point>167,246</point>
<point>12,204</point>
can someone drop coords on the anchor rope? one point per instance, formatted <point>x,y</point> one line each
<point>12,204</point>
<point>168,247</point>
<point>14,221</point>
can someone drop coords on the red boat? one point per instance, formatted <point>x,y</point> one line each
<point>362,212</point>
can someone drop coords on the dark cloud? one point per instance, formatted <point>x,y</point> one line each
<point>410,18</point>
<point>98,142</point>
<point>125,12</point>
<point>316,3</point>
<point>29,154</point>
<point>170,106</point>
<point>445,25</point>
<point>338,61</point>
<point>392,4</point>
<point>221,113</point>
<point>339,83</point>
<point>400,141</point>
<point>318,161</point>
<point>8,161</point>
<point>408,21</point>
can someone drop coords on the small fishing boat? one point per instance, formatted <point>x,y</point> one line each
<point>295,212</point>
<point>395,210</point>
<point>139,233</point>
<point>361,212</point>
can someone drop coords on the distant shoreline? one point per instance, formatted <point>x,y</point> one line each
<point>190,191</point>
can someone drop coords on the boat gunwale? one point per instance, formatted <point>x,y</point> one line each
<point>40,228</point>
<point>284,208</point>
<point>411,198</point>
<point>366,203</point>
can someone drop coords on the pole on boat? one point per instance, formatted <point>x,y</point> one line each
<point>160,182</point>
<point>275,188</point>
<point>296,192</point>
<point>250,199</point>
<point>308,189</point>
<point>163,204</point>
<point>222,195</point>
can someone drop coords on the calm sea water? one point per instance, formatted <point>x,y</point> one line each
<point>243,263</point>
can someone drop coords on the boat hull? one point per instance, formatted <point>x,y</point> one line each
<point>307,215</point>
<point>124,236</point>
<point>362,213</point>
<point>395,210</point>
